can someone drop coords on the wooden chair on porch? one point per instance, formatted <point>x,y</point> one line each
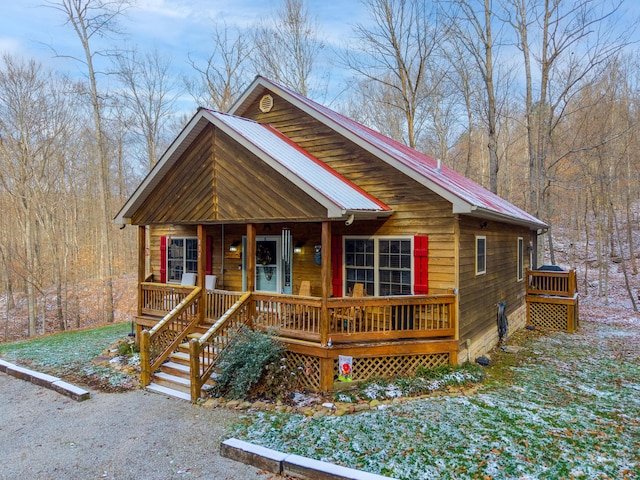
<point>300,312</point>
<point>349,319</point>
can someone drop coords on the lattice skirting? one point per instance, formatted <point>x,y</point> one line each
<point>365,368</point>
<point>310,366</point>
<point>549,316</point>
<point>392,366</point>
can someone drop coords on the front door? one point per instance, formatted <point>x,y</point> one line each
<point>268,264</point>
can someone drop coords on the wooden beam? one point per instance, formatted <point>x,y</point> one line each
<point>325,280</point>
<point>250,264</point>
<point>250,257</point>
<point>141,263</point>
<point>202,265</point>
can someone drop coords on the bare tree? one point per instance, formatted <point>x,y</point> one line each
<point>91,18</point>
<point>473,28</point>
<point>572,42</point>
<point>149,96</point>
<point>287,48</point>
<point>35,123</point>
<point>393,54</point>
<point>225,73</point>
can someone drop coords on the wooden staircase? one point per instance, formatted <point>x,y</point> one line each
<point>173,377</point>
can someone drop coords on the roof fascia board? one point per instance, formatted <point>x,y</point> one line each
<point>491,215</point>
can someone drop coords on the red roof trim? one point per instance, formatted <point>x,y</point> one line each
<point>423,165</point>
<point>327,167</point>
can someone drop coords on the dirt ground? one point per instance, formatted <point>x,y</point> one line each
<point>134,435</point>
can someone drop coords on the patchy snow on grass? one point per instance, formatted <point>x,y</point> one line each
<point>569,409</point>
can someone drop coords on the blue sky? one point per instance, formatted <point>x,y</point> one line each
<point>177,28</point>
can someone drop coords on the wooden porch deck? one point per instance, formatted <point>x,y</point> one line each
<point>385,336</point>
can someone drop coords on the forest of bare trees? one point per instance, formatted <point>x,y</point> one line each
<point>536,100</point>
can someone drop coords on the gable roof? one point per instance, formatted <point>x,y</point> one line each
<point>466,196</point>
<point>338,195</point>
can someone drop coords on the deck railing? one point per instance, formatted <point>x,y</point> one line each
<point>163,339</point>
<point>219,301</point>
<point>204,352</point>
<point>371,318</point>
<point>158,299</point>
<point>559,284</point>
<point>293,316</point>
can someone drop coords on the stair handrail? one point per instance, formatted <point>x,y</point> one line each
<point>152,358</point>
<point>199,372</point>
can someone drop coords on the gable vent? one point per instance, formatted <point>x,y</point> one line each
<point>266,103</point>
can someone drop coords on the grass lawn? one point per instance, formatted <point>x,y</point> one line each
<point>69,355</point>
<point>567,406</point>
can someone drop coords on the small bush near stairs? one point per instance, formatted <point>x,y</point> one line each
<point>254,367</point>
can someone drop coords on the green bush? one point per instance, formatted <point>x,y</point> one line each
<point>254,366</point>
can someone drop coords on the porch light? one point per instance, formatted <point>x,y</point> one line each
<point>234,246</point>
<point>298,247</point>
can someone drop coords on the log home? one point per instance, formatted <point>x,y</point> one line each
<point>283,214</point>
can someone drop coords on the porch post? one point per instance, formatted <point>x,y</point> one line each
<point>325,280</point>
<point>202,265</point>
<point>250,264</point>
<point>141,263</point>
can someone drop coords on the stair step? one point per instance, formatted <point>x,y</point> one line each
<point>181,357</point>
<point>180,369</point>
<point>154,387</point>
<point>172,378</point>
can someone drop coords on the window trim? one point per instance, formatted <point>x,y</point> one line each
<point>376,259</point>
<point>484,269</point>
<point>520,264</point>
<point>168,246</point>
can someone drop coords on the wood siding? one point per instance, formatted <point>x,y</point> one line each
<point>185,194</point>
<point>417,211</point>
<point>218,180</point>
<point>480,294</point>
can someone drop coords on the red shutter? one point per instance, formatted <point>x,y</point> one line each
<point>163,259</point>
<point>420,265</point>
<point>336,265</point>
<point>209,255</point>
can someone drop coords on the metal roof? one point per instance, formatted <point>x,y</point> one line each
<point>466,196</point>
<point>340,196</point>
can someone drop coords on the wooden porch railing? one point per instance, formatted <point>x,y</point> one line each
<point>358,319</point>
<point>203,352</point>
<point>293,316</point>
<point>376,318</point>
<point>157,299</point>
<point>156,345</point>
<point>219,302</point>
<point>558,284</point>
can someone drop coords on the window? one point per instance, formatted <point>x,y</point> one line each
<point>481,255</point>
<point>520,258</point>
<point>182,257</point>
<point>383,265</point>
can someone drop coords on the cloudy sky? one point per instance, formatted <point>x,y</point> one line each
<point>177,28</point>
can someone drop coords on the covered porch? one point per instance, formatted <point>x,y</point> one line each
<point>385,335</point>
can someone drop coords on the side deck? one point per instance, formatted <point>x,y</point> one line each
<point>552,300</point>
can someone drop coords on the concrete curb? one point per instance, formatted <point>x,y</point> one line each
<point>295,465</point>
<point>43,380</point>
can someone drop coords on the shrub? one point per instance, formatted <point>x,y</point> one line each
<point>254,365</point>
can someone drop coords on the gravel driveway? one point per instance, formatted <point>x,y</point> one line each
<point>135,435</point>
